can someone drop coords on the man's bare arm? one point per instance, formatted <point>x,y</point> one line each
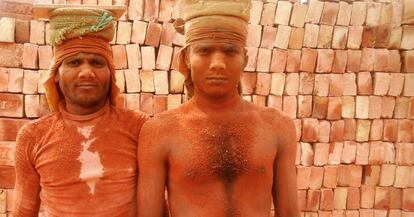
<point>27,186</point>
<point>152,171</point>
<point>284,182</point>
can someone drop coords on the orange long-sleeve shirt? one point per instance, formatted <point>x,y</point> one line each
<point>78,165</point>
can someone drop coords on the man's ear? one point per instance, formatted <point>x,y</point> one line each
<point>183,63</point>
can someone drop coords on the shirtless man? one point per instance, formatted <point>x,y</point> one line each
<point>80,160</point>
<point>217,155</point>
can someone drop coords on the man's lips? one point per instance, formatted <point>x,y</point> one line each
<point>86,85</point>
<point>217,78</point>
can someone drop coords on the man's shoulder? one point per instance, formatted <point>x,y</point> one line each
<point>128,114</point>
<point>38,126</point>
<point>272,117</point>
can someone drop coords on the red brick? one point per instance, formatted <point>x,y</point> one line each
<point>254,35</point>
<point>358,13</point>
<point>301,199</point>
<point>283,11</point>
<point>4,79</point>
<point>151,10</point>
<point>382,198</point>
<point>37,32</point>
<point>268,37</point>
<point>256,12</point>
<point>353,60</point>
<point>408,58</point>
<point>325,60</point>
<point>120,80</point>
<point>10,127</point>
<point>394,213</point>
<point>349,129</point>
<point>139,31</point>
<point>338,213</point>
<point>362,107</point>
<point>164,57</point>
<point>252,59</point>
<point>376,155</point>
<point>340,195</point>
<point>407,41</point>
<point>167,34</point>
<point>349,152</point>
<point>179,39</point>
<point>335,152</point>
<point>147,81</point>
<point>278,63</point>
<point>277,83</point>
<point>306,81</point>
<point>310,130</point>
<point>321,154</point>
<point>308,60</point>
<point>147,103</point>
<point>263,84</point>
<point>362,130</point>
<point>353,200</point>
<point>264,59</point>
<point>381,60</point>
<point>296,38</point>
<point>174,100</point>
<point>355,175</point>
<point>324,131</point>
<point>304,106</point>
<point>354,37</point>
<point>303,177</point>
<point>364,83</point>
<point>344,14</point>
<point>8,25</point>
<point>329,14</point>
<point>30,81</point>
<point>395,38</point>
<point>367,196</point>
<point>337,131</point>
<point>32,106</point>
<point>148,57</point>
<point>325,36</point>
<point>160,104</point>
<point>411,109</point>
<point>404,131</point>
<point>331,176</point>
<point>402,176</point>
<point>177,82</point>
<point>153,34</point>
<point>396,84</point>
<point>30,56</point>
<point>401,107</point>
<point>289,105</point>
<point>15,84</point>
<point>297,122</point>
<point>282,37</point>
<point>382,37</point>
<point>408,199</point>
<point>376,130</point>
<point>320,107</point>
<point>375,103</point>
<point>133,84</point>
<point>311,35</point>
<point>327,199</point>
<point>268,14</point>
<point>396,198</point>
<point>135,10</point>
<point>387,174</point>
<point>45,56</point>
<point>123,35</point>
<point>292,84</point>
<point>293,61</point>
<point>334,108</point>
<point>120,56</point>
<point>166,10</point>
<point>298,15</point>
<point>22,31</point>
<point>390,130</point>
<point>312,200</point>
<point>340,37</point>
<point>132,101</point>
<point>371,175</point>
<point>339,63</point>
<point>381,83</point>
<point>349,84</point>
<point>404,154</point>
<point>409,85</point>
<point>368,59</point>
<point>134,56</point>
<point>314,12</point>
<point>336,85</point>
<point>373,13</point>
<point>389,152</point>
<point>386,14</point>
<point>316,177</point>
<point>248,82</point>
<point>362,153</point>
<point>388,104</point>
<point>11,105</point>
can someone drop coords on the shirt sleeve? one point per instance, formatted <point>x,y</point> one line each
<point>27,185</point>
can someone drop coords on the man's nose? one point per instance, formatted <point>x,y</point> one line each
<point>218,61</point>
<point>86,71</point>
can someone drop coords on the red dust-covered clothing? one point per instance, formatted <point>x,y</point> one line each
<point>78,165</point>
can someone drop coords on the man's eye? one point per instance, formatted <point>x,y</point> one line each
<point>203,50</point>
<point>74,63</point>
<point>98,63</point>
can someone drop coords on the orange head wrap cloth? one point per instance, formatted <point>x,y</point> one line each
<point>76,30</point>
<point>211,21</point>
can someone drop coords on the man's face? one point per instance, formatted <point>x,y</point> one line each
<point>216,68</point>
<point>84,79</point>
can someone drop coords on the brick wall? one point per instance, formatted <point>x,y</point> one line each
<point>344,70</point>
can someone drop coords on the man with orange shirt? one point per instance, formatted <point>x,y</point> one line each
<point>217,155</point>
<point>80,160</point>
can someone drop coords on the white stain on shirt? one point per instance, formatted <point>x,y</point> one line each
<point>91,167</point>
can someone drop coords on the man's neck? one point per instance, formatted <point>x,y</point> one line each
<point>217,105</point>
<point>80,110</point>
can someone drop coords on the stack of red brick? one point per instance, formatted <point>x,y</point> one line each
<point>344,70</point>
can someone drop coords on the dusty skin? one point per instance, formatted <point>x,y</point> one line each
<point>217,154</point>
